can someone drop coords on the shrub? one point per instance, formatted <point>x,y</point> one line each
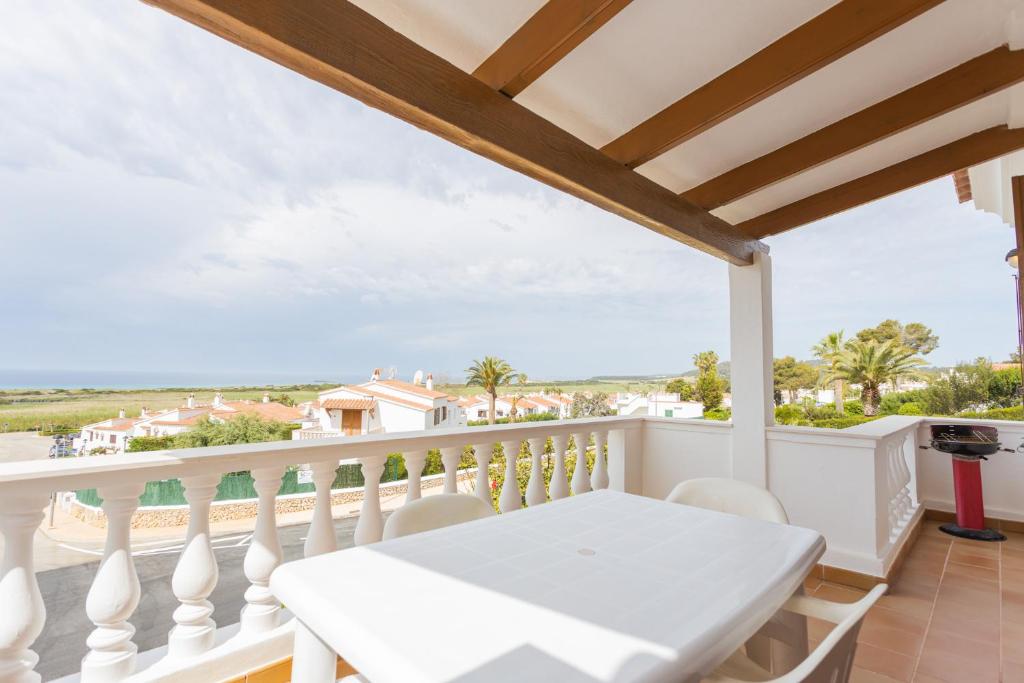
<point>910,408</point>
<point>843,422</point>
<point>788,414</point>
<point>1013,413</point>
<point>720,414</point>
<point>853,408</point>
<point>892,402</point>
<point>140,444</point>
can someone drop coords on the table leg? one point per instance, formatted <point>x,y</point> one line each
<point>781,644</point>
<point>312,661</point>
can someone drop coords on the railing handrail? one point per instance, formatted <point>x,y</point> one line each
<point>65,474</point>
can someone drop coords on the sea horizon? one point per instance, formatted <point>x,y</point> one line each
<point>144,379</point>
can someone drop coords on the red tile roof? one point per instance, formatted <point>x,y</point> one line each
<point>117,424</point>
<point>408,388</point>
<point>347,403</point>
<point>380,396</point>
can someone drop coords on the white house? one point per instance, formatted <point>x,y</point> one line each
<point>657,405</point>
<point>382,405</point>
<point>114,435</point>
<point>476,407</point>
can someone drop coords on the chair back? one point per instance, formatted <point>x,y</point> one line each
<point>732,496</point>
<point>832,660</point>
<point>434,512</point>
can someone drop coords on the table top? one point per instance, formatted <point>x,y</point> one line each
<point>605,586</point>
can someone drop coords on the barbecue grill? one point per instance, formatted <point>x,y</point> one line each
<point>968,445</point>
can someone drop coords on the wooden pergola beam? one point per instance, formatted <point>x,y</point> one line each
<point>555,30</point>
<point>959,86</point>
<point>963,153</point>
<point>817,43</point>
<point>338,44</point>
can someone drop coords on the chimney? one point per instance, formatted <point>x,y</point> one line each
<point>218,400</point>
<point>120,413</point>
<point>376,375</point>
<point>430,382</point>
<point>266,397</point>
<point>191,401</point>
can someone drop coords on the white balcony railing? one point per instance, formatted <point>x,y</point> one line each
<point>862,488</point>
<point>196,649</point>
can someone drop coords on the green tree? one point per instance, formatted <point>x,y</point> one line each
<point>1004,387</point>
<point>828,350</point>
<point>682,387</point>
<point>709,388</point>
<point>915,336</point>
<point>283,399</point>
<point>792,375</point>
<point>871,364</point>
<point>490,373</point>
<point>241,429</point>
<point>593,405</point>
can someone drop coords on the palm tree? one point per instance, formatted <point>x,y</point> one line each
<point>829,349</point>
<point>705,361</point>
<point>871,365</point>
<point>490,373</point>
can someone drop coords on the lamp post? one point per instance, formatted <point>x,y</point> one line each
<point>1011,260</point>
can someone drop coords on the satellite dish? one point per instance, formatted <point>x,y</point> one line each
<point>418,377</point>
<point>392,372</point>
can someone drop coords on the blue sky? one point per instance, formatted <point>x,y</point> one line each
<point>171,202</point>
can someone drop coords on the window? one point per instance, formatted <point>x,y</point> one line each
<point>481,413</point>
<point>437,416</point>
<point>444,413</point>
<point>668,413</point>
<point>113,438</point>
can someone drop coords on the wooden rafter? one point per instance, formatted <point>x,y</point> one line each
<point>338,44</point>
<point>546,37</point>
<point>963,153</point>
<point>961,85</point>
<point>835,32</point>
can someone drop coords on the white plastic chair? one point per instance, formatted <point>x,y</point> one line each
<point>831,661</point>
<point>434,512</point>
<point>730,495</point>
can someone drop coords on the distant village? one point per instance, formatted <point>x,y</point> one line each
<point>380,405</point>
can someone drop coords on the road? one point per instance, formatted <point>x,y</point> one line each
<point>23,446</point>
<point>61,645</point>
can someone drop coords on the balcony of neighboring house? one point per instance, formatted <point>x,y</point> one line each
<point>713,127</point>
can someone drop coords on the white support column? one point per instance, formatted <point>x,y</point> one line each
<point>370,527</point>
<point>450,458</point>
<point>321,536</point>
<point>580,475</point>
<point>559,476</point>
<point>262,610</point>
<point>535,492</point>
<point>599,477</point>
<point>625,459</point>
<point>195,576</point>
<point>114,593</point>
<point>23,610</point>
<point>483,453</point>
<point>751,373</point>
<point>510,498</point>
<point>414,462</point>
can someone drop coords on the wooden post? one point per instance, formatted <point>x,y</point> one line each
<point>1017,186</point>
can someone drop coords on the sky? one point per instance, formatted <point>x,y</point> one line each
<point>171,202</point>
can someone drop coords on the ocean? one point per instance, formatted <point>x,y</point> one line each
<point>126,379</point>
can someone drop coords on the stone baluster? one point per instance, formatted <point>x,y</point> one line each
<point>313,660</point>
<point>23,610</point>
<point>559,477</point>
<point>195,577</point>
<point>114,593</point>
<point>262,611</point>
<point>906,502</point>
<point>483,453</point>
<point>450,458</point>
<point>580,475</point>
<point>535,493</point>
<point>599,477</point>
<point>321,537</point>
<point>510,498</point>
<point>370,526</point>
<point>892,477</point>
<point>414,462</point>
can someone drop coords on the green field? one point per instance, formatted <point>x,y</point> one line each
<point>39,409</point>
<point>31,409</point>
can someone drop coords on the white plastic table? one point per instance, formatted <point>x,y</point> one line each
<point>605,586</point>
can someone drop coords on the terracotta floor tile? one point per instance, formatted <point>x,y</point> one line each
<point>885,662</point>
<point>923,678</point>
<point>859,675</point>
<point>836,593</point>
<point>1013,672</point>
<point>977,556</point>
<point>1013,642</point>
<point>1012,557</point>
<point>949,657</point>
<point>989,548</point>
<point>920,607</point>
<point>817,629</point>
<point>1012,577</point>
<point>974,572</point>
<point>894,631</point>
<point>966,622</point>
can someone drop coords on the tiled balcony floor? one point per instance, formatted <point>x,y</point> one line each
<point>955,614</point>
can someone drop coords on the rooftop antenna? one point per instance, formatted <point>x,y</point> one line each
<point>392,372</point>
<point>418,377</point>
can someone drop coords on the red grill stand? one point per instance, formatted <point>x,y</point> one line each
<point>970,506</point>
